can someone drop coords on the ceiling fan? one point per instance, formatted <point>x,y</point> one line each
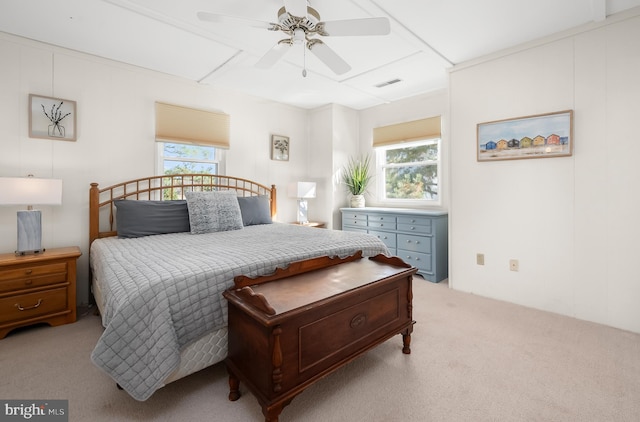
<point>301,24</point>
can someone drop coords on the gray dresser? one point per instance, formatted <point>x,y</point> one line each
<point>419,237</point>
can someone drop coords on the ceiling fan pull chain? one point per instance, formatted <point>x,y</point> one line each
<point>304,61</point>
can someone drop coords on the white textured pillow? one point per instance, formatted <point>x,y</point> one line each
<point>215,211</point>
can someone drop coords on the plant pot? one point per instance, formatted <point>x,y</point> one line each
<point>357,201</point>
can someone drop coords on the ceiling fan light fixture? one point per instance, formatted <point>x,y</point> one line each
<point>298,36</point>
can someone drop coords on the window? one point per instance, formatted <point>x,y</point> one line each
<point>409,171</point>
<point>176,158</point>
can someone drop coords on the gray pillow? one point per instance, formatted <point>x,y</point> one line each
<point>255,210</point>
<point>145,218</point>
<point>215,211</point>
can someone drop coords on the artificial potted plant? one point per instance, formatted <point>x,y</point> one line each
<point>356,175</point>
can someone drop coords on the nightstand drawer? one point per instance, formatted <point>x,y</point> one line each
<point>30,277</point>
<point>32,305</point>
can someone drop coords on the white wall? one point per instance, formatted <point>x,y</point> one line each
<point>115,111</point>
<point>333,137</point>
<point>320,160</point>
<point>572,221</point>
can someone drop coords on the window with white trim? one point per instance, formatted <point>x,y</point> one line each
<point>409,172</point>
<point>178,158</point>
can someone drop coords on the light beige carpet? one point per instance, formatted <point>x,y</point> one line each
<point>473,359</point>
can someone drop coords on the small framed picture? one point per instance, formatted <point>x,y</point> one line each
<point>52,118</point>
<point>279,148</point>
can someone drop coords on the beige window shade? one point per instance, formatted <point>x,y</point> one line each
<point>189,125</point>
<point>407,132</point>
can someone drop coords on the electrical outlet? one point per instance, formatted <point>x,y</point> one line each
<point>480,259</point>
<point>513,265</point>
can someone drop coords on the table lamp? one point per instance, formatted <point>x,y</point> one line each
<point>302,191</point>
<point>30,191</point>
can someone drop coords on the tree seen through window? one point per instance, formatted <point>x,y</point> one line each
<point>411,172</point>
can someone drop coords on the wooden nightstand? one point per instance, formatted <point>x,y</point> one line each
<point>38,288</point>
<point>317,224</point>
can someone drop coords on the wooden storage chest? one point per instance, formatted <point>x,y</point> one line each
<point>290,329</point>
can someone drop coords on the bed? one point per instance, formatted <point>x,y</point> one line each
<point>158,281</point>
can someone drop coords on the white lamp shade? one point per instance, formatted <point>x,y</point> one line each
<point>302,190</point>
<point>30,191</point>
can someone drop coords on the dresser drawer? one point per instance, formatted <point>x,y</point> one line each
<point>30,277</point>
<point>382,221</point>
<point>415,225</point>
<point>414,229</point>
<point>414,221</point>
<point>389,239</point>
<point>355,221</point>
<point>348,216</point>
<point>409,242</point>
<point>421,261</point>
<point>22,307</point>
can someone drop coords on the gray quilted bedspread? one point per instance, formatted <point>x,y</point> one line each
<point>163,292</point>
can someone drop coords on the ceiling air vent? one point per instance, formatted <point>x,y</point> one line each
<point>391,82</point>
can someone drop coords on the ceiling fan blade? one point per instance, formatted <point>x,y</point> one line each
<point>232,20</point>
<point>354,27</point>
<point>329,57</point>
<point>273,55</point>
<point>296,7</point>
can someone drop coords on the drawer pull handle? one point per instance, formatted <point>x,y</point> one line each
<point>413,228</point>
<point>28,282</point>
<point>30,307</point>
<point>29,271</point>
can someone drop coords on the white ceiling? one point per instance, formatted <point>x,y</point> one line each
<point>427,37</point>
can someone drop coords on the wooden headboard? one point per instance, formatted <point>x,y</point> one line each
<point>169,187</point>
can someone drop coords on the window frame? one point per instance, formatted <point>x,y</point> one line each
<point>380,174</point>
<point>220,161</point>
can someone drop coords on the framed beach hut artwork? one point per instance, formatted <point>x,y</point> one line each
<point>537,136</point>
